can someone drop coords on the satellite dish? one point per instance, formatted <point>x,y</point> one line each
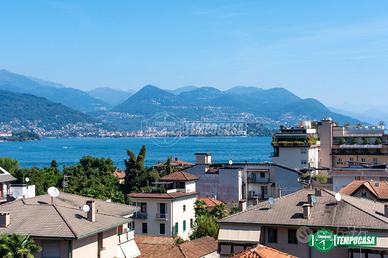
<point>53,191</point>
<point>27,179</point>
<point>313,199</point>
<point>86,208</point>
<point>338,197</point>
<point>15,194</point>
<point>230,162</point>
<point>271,200</point>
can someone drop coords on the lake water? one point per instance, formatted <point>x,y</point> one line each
<point>69,150</point>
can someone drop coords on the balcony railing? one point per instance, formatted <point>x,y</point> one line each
<point>141,215</point>
<point>258,180</point>
<point>161,216</point>
<point>129,234</point>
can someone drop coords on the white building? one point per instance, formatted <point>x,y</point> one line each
<point>296,147</point>
<point>167,214</point>
<point>232,183</point>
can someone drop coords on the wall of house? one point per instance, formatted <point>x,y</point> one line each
<point>52,248</point>
<point>286,181</point>
<point>153,223</point>
<point>292,157</point>
<point>230,185</point>
<point>190,187</point>
<point>86,247</point>
<point>179,215</point>
<point>342,160</point>
<point>340,181</point>
<point>325,132</point>
<point>110,244</point>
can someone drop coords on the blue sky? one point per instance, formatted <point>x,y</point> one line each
<point>335,51</point>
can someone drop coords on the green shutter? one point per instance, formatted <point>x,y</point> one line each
<point>176,228</point>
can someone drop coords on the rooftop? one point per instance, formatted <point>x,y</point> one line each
<point>209,202</point>
<point>377,188</point>
<point>326,212</point>
<point>165,247</point>
<point>5,176</point>
<point>179,176</point>
<point>64,218</point>
<point>172,195</point>
<point>262,251</point>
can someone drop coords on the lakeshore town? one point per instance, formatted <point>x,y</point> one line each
<point>324,194</point>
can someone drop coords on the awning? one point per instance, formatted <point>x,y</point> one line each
<point>128,249</point>
<point>239,235</point>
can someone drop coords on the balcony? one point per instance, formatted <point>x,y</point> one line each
<point>258,180</point>
<point>141,215</point>
<point>161,216</point>
<point>129,234</point>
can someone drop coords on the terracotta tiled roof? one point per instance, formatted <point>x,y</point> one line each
<point>179,176</point>
<point>378,188</point>
<point>173,195</point>
<point>165,247</point>
<point>326,212</point>
<point>119,174</point>
<point>199,247</point>
<point>209,202</point>
<point>262,251</point>
<point>63,218</point>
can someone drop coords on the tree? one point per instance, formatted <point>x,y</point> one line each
<point>13,246</point>
<point>137,176</point>
<point>42,178</point>
<point>200,208</point>
<point>11,165</point>
<point>93,177</point>
<point>220,211</point>
<point>205,225</point>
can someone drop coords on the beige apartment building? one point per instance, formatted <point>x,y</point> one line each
<point>344,146</point>
<point>65,230</point>
<point>277,225</point>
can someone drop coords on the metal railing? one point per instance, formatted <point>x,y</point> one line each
<point>162,216</point>
<point>141,215</point>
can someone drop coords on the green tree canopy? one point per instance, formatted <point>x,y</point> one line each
<point>137,176</point>
<point>205,225</point>
<point>18,246</point>
<point>93,177</point>
<point>11,165</point>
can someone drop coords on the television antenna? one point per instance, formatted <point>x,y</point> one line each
<point>86,208</point>
<point>53,192</point>
<point>313,199</point>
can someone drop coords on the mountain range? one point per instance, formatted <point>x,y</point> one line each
<point>270,106</point>
<point>126,110</point>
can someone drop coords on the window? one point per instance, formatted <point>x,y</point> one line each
<point>191,223</point>
<point>272,235</point>
<point>120,230</point>
<point>375,160</point>
<point>303,162</point>
<point>303,151</point>
<point>162,210</point>
<point>176,228</point>
<point>180,185</point>
<point>162,228</point>
<point>351,159</point>
<point>184,225</point>
<point>143,207</point>
<point>357,178</point>
<point>363,160</point>
<point>184,208</point>
<point>292,236</point>
<point>131,225</point>
<point>363,194</point>
<point>262,174</point>
<point>144,228</point>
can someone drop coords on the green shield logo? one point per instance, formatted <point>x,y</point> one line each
<point>322,240</point>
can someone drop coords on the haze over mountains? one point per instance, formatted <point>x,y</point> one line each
<point>125,109</point>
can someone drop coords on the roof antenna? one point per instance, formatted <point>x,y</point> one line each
<point>53,192</point>
<point>271,201</point>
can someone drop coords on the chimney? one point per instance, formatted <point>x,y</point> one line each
<point>242,205</point>
<point>309,199</point>
<point>318,192</point>
<point>92,210</point>
<point>5,219</point>
<point>306,211</point>
<point>386,210</point>
<point>203,158</point>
